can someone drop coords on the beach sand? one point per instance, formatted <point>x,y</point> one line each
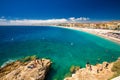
<point>98,32</point>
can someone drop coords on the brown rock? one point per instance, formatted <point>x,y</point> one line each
<point>31,70</point>
<point>98,72</point>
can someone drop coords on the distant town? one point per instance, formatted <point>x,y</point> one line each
<point>112,25</point>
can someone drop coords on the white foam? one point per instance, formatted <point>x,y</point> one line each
<point>5,63</point>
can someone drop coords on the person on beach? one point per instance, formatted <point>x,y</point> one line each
<point>106,66</point>
<point>87,64</point>
<point>31,66</point>
<point>101,68</point>
<point>97,70</point>
<point>35,62</point>
<point>41,62</point>
<point>90,68</point>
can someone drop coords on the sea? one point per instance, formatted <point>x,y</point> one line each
<point>64,47</point>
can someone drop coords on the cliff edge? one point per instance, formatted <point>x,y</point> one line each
<point>104,71</point>
<point>30,70</point>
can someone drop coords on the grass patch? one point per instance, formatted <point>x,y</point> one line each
<point>73,69</point>
<point>116,68</point>
<point>28,58</point>
<point>69,74</point>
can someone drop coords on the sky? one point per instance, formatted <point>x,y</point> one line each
<point>45,10</point>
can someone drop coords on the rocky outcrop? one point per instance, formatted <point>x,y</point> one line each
<point>30,70</point>
<point>98,72</point>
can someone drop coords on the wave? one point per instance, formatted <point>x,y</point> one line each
<point>7,62</point>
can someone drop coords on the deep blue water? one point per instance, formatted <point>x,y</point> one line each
<point>65,47</point>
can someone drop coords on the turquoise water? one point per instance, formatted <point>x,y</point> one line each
<point>65,47</point>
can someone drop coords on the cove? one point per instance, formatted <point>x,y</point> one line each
<point>65,47</point>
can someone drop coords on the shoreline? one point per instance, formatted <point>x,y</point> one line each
<point>97,32</point>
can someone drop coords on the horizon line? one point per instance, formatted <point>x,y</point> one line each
<point>4,21</point>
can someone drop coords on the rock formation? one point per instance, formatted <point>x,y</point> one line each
<point>30,70</point>
<point>98,72</point>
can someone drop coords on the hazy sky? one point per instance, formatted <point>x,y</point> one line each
<point>57,9</point>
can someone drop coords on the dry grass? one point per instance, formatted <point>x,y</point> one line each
<point>116,68</point>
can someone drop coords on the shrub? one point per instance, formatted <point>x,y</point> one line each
<point>73,69</point>
<point>69,74</point>
<point>33,57</point>
<point>116,68</point>
<point>28,58</point>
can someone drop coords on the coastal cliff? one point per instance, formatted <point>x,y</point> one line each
<point>104,71</point>
<point>30,70</point>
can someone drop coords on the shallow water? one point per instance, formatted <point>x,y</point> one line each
<point>65,47</point>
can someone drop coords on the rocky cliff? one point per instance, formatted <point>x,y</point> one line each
<point>30,70</point>
<point>104,71</point>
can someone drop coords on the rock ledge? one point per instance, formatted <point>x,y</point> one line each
<point>30,70</point>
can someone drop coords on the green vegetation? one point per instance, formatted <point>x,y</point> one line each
<point>116,68</point>
<point>73,69</point>
<point>11,66</point>
<point>28,58</point>
<point>69,74</point>
<point>117,28</point>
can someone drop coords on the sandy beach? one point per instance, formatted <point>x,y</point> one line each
<point>99,32</point>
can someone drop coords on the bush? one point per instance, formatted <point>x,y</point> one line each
<point>69,74</point>
<point>28,58</point>
<point>33,57</point>
<point>116,68</point>
<point>73,69</point>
